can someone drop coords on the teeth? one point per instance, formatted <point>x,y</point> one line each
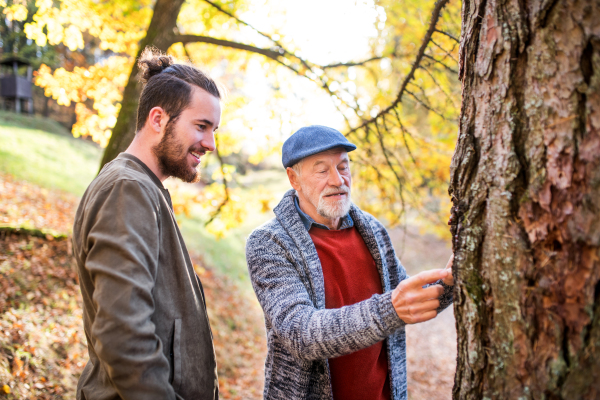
<point>195,154</point>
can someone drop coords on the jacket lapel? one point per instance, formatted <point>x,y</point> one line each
<point>288,217</point>
<point>366,231</point>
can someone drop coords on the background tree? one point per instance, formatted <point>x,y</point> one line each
<point>406,147</point>
<point>525,186</point>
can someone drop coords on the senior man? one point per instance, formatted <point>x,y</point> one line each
<point>334,294</point>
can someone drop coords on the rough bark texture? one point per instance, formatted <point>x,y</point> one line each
<point>525,182</point>
<point>160,34</point>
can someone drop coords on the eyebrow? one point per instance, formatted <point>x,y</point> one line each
<point>205,121</point>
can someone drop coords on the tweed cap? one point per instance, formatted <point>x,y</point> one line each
<point>312,140</point>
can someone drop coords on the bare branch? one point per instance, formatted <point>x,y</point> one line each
<point>445,51</point>
<point>441,63</point>
<point>448,97</point>
<point>414,96</point>
<point>435,15</point>
<point>218,7</point>
<point>279,45</point>
<point>448,34</point>
<point>185,39</point>
<point>363,62</point>
<point>351,64</point>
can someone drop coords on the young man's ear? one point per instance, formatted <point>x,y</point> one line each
<point>157,119</point>
<point>293,177</point>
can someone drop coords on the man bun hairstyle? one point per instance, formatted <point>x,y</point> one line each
<point>168,85</point>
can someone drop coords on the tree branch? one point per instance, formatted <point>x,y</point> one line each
<point>435,15</point>
<point>352,64</point>
<point>448,34</point>
<point>184,39</point>
<point>279,45</point>
<point>441,63</point>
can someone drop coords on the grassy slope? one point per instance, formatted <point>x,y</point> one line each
<point>42,152</point>
<point>48,171</point>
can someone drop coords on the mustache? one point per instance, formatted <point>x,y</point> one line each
<point>334,190</point>
<point>198,149</point>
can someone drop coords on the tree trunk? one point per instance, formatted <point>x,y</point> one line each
<point>160,34</point>
<point>525,183</point>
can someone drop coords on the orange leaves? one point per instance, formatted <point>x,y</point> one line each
<point>236,321</point>
<point>26,205</point>
<point>42,343</point>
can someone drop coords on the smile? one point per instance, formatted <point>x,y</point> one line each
<point>196,155</point>
<point>336,195</point>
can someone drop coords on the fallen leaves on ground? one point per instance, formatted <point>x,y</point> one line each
<point>23,204</point>
<point>43,348</point>
<point>42,343</point>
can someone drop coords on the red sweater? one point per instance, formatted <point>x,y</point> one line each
<point>351,276</point>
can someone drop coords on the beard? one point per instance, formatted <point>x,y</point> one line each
<point>334,209</point>
<point>172,156</point>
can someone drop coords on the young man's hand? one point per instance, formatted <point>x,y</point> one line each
<point>412,302</point>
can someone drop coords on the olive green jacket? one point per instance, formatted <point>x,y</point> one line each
<point>144,312</point>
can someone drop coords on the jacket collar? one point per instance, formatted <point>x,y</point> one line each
<point>290,220</point>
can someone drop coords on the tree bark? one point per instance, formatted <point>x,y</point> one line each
<point>160,34</point>
<point>525,183</point>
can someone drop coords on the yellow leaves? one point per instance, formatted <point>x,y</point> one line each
<point>102,83</point>
<point>6,389</point>
<point>226,173</point>
<point>117,30</point>
<point>16,12</point>
<point>36,33</point>
<point>73,38</point>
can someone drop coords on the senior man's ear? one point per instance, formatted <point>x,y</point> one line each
<point>293,177</point>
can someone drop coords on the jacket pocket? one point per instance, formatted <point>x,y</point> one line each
<point>177,355</point>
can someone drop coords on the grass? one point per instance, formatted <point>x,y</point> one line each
<point>41,151</point>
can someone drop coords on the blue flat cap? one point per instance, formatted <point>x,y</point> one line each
<point>312,140</point>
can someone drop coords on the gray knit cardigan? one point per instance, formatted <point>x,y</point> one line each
<point>301,334</point>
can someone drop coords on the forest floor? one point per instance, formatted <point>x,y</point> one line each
<point>43,347</point>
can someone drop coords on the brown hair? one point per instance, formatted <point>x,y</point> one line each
<point>168,85</point>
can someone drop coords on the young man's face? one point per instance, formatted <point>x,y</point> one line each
<point>187,138</point>
<point>325,183</point>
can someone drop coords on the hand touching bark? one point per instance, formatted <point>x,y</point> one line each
<point>412,302</point>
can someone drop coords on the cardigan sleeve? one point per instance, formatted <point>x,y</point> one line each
<point>307,332</point>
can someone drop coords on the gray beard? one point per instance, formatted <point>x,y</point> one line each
<point>338,209</point>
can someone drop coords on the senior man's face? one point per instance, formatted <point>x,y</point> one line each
<point>325,183</point>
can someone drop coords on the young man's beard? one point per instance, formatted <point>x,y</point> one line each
<point>172,157</point>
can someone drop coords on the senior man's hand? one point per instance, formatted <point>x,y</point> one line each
<point>414,304</point>
<point>449,280</point>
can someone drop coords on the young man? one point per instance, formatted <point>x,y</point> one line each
<point>144,309</point>
<point>334,294</point>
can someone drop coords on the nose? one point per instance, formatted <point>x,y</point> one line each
<point>208,141</point>
<point>335,179</point>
